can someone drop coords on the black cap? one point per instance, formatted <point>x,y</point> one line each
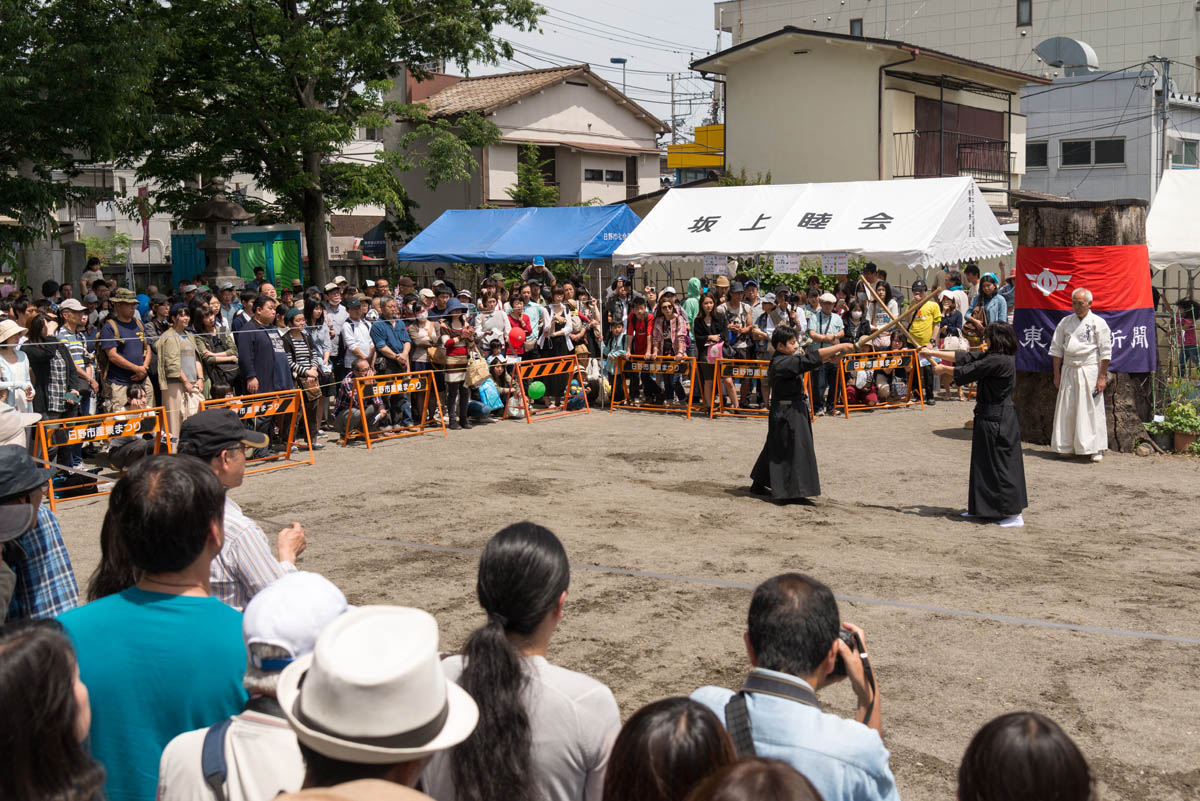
<point>213,430</point>
<point>19,474</point>
<point>919,286</point>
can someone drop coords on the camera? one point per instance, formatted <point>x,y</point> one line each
<point>853,642</point>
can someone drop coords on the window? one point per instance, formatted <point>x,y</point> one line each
<point>373,134</point>
<point>1093,152</point>
<point>1024,13</point>
<point>1185,154</point>
<point>1110,151</point>
<point>614,176</point>
<point>856,27</point>
<point>593,175</point>
<point>1036,155</point>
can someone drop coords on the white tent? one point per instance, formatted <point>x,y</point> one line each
<point>918,223</point>
<point>1172,234</point>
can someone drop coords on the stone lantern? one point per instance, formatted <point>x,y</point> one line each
<point>218,215</point>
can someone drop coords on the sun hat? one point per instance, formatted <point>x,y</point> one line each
<point>70,304</point>
<point>454,305</point>
<point>722,281</point>
<point>373,690</point>
<point>19,473</point>
<point>827,297</point>
<point>123,295</point>
<point>465,292</point>
<point>10,328</point>
<point>289,613</point>
<point>737,286</point>
<point>14,423</point>
<point>769,297</point>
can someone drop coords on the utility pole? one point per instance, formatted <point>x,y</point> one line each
<point>1166,89</point>
<point>673,125</point>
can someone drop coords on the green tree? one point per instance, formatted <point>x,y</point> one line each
<point>531,188</point>
<point>72,78</point>
<point>276,88</point>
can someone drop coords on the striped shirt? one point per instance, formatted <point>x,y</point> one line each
<point>45,581</point>
<point>245,564</point>
<point>76,342</point>
<point>300,355</point>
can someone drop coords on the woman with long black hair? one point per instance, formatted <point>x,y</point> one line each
<point>544,732</point>
<point>997,488</point>
<point>47,716</point>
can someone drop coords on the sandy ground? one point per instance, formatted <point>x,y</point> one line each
<point>1110,546</point>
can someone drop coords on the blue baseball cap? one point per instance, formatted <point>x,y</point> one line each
<point>538,261</point>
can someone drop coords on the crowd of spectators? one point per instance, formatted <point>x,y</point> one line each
<point>203,668</point>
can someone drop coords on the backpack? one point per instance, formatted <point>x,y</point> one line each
<point>102,363</point>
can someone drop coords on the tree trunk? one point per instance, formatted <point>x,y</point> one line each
<point>316,235</point>
<point>1128,397</point>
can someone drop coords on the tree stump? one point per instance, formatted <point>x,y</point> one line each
<point>1083,223</point>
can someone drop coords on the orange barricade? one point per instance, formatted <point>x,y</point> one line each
<point>69,431</point>
<point>534,369</point>
<point>883,360</point>
<point>653,365</point>
<point>287,403</point>
<point>749,369</point>
<point>383,386</point>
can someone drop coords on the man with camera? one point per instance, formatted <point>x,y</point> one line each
<point>797,645</point>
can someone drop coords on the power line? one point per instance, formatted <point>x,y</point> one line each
<point>1072,84</point>
<point>604,26</point>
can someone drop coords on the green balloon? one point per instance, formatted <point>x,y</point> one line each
<point>536,390</point>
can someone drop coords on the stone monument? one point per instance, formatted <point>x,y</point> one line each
<point>218,215</point>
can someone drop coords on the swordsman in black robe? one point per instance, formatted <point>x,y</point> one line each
<point>997,483</point>
<point>787,465</point>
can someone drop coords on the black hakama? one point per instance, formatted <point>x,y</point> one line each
<point>788,463</point>
<point>997,487</point>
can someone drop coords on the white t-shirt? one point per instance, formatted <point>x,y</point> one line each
<point>262,760</point>
<point>574,719</point>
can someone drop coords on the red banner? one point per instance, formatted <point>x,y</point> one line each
<point>1118,277</point>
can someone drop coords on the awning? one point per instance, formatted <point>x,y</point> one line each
<point>1171,231</point>
<point>508,235</point>
<point>916,223</point>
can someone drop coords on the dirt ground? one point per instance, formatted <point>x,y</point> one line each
<point>666,541</point>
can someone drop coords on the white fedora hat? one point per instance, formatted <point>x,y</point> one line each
<point>373,690</point>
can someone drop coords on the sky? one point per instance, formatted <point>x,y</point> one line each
<point>658,37</point>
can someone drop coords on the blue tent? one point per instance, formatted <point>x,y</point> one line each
<point>506,235</point>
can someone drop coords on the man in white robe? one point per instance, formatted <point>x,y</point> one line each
<point>1081,350</point>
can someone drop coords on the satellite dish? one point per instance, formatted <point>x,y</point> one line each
<point>1075,57</point>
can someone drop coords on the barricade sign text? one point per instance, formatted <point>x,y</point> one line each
<point>382,388</point>
<point>276,414</point>
<point>634,380</point>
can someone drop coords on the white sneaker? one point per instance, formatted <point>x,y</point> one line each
<point>1097,457</point>
<point>1016,521</point>
<point>966,514</point>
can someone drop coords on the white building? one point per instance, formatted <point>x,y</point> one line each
<point>598,144</point>
<point>1100,137</point>
<point>1003,33</point>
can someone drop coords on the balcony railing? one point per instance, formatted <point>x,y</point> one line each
<point>929,154</point>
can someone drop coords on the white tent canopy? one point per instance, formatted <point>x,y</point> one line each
<point>917,223</point>
<point>1172,234</point>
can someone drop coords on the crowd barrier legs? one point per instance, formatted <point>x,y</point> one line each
<point>386,386</point>
<point>69,431</point>
<point>535,369</point>
<point>881,360</point>
<point>638,366</point>
<point>266,406</point>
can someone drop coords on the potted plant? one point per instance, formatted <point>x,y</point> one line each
<point>1157,429</point>
<point>1182,419</point>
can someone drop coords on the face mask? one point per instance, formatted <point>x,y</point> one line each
<point>855,315</point>
<point>862,296</point>
<point>423,316</point>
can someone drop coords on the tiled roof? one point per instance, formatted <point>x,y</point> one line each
<point>490,92</point>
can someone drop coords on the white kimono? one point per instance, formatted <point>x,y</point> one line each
<point>1079,425</point>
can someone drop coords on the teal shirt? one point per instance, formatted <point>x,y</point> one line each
<point>155,666</point>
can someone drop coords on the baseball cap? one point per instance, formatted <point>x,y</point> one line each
<point>70,304</point>
<point>425,292</point>
<point>189,288</point>
<point>289,613</point>
<point>331,286</point>
<point>340,279</point>
<point>18,472</point>
<point>213,430</point>
<point>769,297</point>
<point>90,298</point>
<point>827,297</point>
<point>539,261</point>
<point>225,285</point>
<point>919,286</point>
<point>464,292</point>
<point>370,283</point>
<point>669,291</point>
<point>751,282</point>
